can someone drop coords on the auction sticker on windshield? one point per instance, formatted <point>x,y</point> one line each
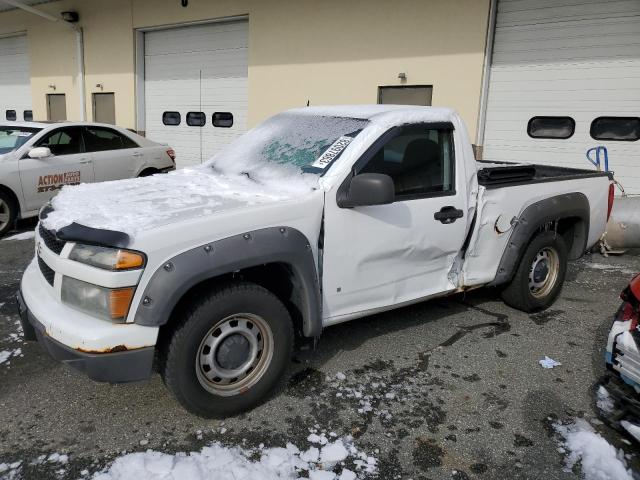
<point>331,153</point>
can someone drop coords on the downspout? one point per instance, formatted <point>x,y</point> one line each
<point>79,46</point>
<point>486,72</point>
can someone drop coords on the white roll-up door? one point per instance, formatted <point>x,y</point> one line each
<point>564,58</point>
<point>15,78</point>
<point>199,69</point>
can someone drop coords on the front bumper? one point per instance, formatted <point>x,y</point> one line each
<point>113,367</point>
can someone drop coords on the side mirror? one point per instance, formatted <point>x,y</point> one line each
<point>40,152</point>
<point>368,189</point>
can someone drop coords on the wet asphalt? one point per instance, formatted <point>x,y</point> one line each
<point>453,385</point>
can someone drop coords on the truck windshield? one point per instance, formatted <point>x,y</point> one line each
<point>306,143</point>
<point>12,138</point>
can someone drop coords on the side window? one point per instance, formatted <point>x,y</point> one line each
<point>64,141</point>
<point>616,128</point>
<point>551,127</point>
<point>420,161</point>
<point>11,115</point>
<point>222,119</point>
<point>28,115</point>
<point>101,139</point>
<point>196,119</point>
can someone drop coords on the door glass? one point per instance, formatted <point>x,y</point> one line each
<point>101,139</point>
<point>104,108</point>
<point>420,162</point>
<point>56,107</point>
<point>406,95</point>
<point>65,141</point>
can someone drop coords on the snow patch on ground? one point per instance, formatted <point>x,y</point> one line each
<point>230,463</point>
<point>5,355</point>
<point>598,459</point>
<point>604,401</point>
<point>21,236</point>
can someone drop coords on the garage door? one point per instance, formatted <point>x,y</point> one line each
<point>569,62</point>
<point>15,79</point>
<point>193,76</point>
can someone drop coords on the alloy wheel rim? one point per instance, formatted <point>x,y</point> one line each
<point>543,273</point>
<point>234,354</point>
<point>4,214</point>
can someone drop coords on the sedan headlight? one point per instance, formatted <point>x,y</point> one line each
<point>107,303</point>
<point>107,258</point>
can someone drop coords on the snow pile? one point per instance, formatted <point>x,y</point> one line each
<point>598,459</point>
<point>632,428</point>
<point>10,471</point>
<point>604,401</point>
<point>22,236</point>
<point>547,362</point>
<point>137,204</point>
<point>223,463</point>
<point>5,355</point>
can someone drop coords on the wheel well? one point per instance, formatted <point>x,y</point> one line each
<point>278,278</point>
<point>12,195</point>
<point>148,171</point>
<point>574,233</point>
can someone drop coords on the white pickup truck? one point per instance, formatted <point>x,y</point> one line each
<point>37,159</point>
<point>315,217</point>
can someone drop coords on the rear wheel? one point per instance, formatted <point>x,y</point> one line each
<point>230,349</point>
<point>8,213</point>
<point>540,274</point>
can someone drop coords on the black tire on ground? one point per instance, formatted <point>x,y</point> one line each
<point>532,290</point>
<point>200,322</point>
<point>8,212</point>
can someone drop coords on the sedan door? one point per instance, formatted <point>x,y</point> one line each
<point>69,164</point>
<point>115,156</point>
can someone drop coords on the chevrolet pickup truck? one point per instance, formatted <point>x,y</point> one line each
<point>315,217</point>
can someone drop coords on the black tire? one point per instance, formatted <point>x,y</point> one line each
<point>522,293</point>
<point>181,365</point>
<point>147,172</point>
<point>8,212</point>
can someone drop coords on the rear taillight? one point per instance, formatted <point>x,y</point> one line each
<point>631,297</point>
<point>610,200</point>
<point>172,154</point>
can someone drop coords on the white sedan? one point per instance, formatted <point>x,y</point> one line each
<point>38,159</point>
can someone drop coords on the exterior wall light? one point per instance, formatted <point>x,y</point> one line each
<point>71,17</point>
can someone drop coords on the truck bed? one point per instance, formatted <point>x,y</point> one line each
<point>507,174</point>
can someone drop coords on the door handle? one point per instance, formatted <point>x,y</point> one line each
<point>448,214</point>
<point>84,162</point>
<point>137,154</point>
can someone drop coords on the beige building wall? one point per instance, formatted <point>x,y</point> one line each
<point>327,52</point>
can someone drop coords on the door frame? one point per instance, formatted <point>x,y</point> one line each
<point>139,59</point>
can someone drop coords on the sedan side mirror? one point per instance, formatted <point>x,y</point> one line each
<point>368,189</point>
<point>39,152</point>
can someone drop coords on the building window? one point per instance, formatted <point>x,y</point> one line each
<point>171,118</point>
<point>11,115</point>
<point>196,119</point>
<point>625,129</point>
<point>28,115</point>
<point>551,127</point>
<point>222,119</point>
<point>406,95</point>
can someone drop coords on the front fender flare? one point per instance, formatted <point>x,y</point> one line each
<point>171,281</point>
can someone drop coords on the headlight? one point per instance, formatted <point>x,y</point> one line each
<point>107,303</point>
<point>107,258</point>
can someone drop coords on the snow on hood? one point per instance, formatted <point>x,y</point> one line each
<point>135,205</point>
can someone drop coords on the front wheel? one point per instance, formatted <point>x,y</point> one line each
<point>8,213</point>
<point>540,274</point>
<point>230,349</point>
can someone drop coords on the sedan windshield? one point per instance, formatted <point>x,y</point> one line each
<point>12,138</point>
<point>295,142</point>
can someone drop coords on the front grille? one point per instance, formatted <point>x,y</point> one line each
<point>50,240</point>
<point>46,271</point>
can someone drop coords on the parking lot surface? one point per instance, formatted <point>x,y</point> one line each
<point>449,388</point>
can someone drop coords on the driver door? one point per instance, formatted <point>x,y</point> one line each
<point>68,164</point>
<point>383,255</point>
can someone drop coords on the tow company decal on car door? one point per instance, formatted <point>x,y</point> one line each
<point>48,183</point>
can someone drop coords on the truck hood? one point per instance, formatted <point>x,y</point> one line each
<point>139,205</point>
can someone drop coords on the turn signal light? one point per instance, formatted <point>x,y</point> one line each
<point>119,302</point>
<point>127,259</point>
